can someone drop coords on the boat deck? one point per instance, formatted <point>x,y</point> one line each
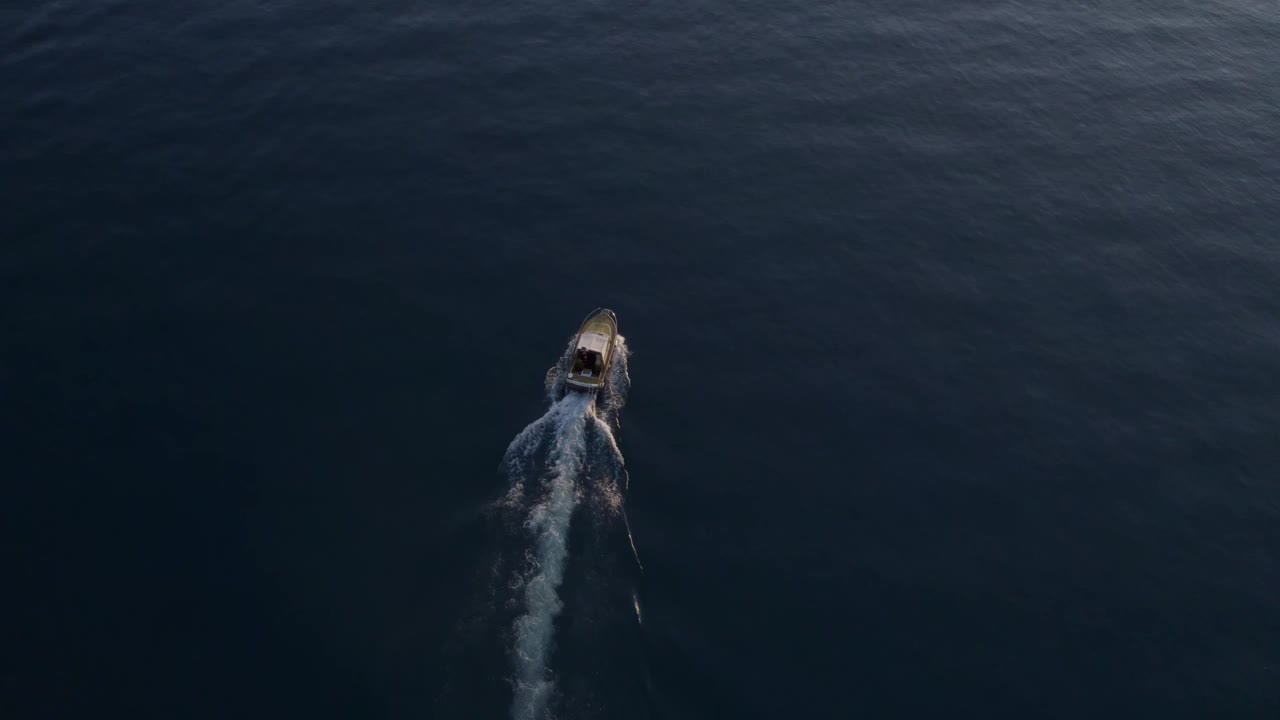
<point>597,334</point>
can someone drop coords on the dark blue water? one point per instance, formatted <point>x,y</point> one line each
<point>954,356</point>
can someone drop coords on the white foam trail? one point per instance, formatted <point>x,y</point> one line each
<point>634,553</point>
<point>522,448</point>
<point>571,422</point>
<point>617,384</point>
<point>549,521</point>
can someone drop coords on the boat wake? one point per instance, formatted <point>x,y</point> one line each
<point>568,455</point>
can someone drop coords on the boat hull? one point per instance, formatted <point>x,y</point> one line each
<point>588,363</point>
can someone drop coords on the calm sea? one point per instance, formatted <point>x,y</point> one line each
<point>954,359</point>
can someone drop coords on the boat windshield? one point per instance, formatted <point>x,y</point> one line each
<point>594,341</point>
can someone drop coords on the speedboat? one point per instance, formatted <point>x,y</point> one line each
<point>592,351</point>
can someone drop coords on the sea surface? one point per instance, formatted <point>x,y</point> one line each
<point>952,334</point>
